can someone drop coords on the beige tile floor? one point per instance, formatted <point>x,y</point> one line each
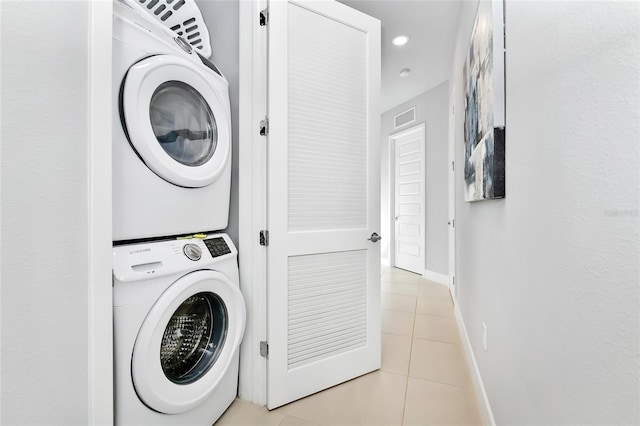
<point>423,380</point>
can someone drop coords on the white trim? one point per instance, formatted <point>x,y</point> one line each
<point>451,193</point>
<point>395,125</point>
<point>392,202</point>
<point>252,199</point>
<point>1,210</point>
<point>392,191</point>
<point>385,261</point>
<point>435,277</point>
<point>100,324</point>
<point>478,386</point>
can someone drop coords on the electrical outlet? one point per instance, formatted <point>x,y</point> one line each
<point>484,336</point>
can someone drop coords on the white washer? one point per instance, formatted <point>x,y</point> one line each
<point>179,318</point>
<point>171,133</point>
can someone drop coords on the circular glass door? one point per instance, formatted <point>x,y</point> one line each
<point>194,338</point>
<point>183,123</point>
<point>176,116</point>
<point>188,341</point>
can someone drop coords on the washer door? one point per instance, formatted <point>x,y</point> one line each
<point>176,120</point>
<point>187,342</point>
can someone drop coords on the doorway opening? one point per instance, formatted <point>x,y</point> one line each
<point>407,199</point>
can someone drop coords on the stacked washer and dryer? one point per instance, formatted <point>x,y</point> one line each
<point>178,312</point>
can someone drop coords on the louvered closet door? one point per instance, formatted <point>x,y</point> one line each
<point>323,197</point>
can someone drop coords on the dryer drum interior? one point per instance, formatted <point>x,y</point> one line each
<point>183,123</point>
<point>194,337</point>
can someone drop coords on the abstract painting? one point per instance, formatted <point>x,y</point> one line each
<point>484,117</point>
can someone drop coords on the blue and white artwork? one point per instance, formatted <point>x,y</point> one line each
<point>484,130</point>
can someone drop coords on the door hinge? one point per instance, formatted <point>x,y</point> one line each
<point>264,17</point>
<point>453,223</point>
<point>453,166</point>
<point>264,237</point>
<point>454,280</point>
<point>264,349</point>
<point>264,127</point>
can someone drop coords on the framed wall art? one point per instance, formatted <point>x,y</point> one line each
<point>484,105</point>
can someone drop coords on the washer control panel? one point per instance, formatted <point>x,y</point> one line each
<point>217,246</point>
<point>139,261</point>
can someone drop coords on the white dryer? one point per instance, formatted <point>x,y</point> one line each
<point>171,133</point>
<point>179,318</point>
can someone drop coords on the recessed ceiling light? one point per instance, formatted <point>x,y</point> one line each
<point>400,40</point>
<point>404,72</point>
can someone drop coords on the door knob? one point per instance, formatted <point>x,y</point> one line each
<point>374,238</point>
<point>397,217</point>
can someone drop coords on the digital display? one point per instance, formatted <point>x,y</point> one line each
<point>217,247</point>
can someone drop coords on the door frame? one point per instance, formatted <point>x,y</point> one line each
<point>252,206</point>
<point>451,208</point>
<point>392,193</point>
<point>99,170</point>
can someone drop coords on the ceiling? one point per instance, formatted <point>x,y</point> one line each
<point>431,26</point>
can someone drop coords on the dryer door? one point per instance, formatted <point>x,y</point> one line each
<point>176,120</point>
<point>188,341</point>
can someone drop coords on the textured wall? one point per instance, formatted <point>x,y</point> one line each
<point>221,17</point>
<point>553,269</point>
<point>44,212</point>
<point>431,109</point>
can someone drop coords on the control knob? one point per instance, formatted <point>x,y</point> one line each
<point>192,251</point>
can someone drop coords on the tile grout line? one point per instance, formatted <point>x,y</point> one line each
<point>435,315</point>
<point>458,343</point>
<point>437,341</point>
<point>441,383</point>
<point>406,389</point>
<point>400,310</point>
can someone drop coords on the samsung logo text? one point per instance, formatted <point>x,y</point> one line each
<point>142,250</point>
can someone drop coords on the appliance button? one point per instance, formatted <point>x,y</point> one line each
<point>184,45</point>
<point>192,251</point>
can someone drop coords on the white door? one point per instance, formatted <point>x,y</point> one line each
<point>409,178</point>
<point>323,266</point>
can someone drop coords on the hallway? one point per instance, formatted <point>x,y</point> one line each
<point>423,380</point>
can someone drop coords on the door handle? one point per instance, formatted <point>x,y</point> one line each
<point>397,217</point>
<point>374,238</point>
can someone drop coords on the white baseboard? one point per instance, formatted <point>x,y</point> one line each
<point>436,277</point>
<point>385,261</point>
<point>478,385</point>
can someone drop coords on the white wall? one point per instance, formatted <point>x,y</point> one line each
<point>431,109</point>
<point>221,17</point>
<point>553,269</point>
<point>44,212</point>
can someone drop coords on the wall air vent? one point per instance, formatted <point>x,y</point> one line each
<point>405,117</point>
